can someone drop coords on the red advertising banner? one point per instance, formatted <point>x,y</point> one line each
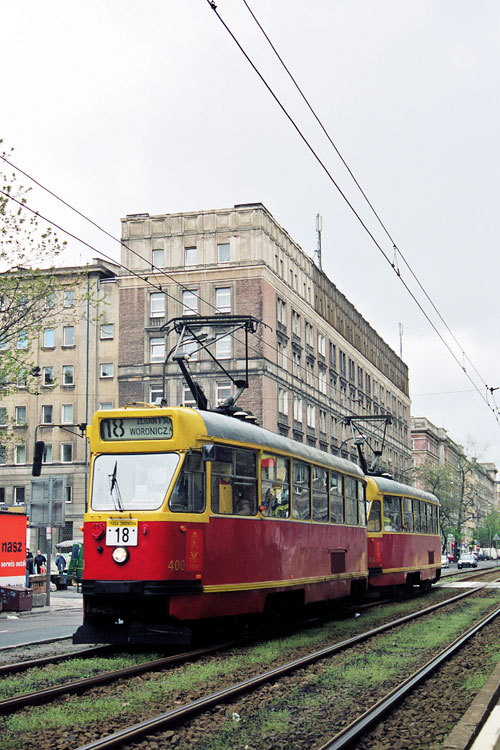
<point>12,549</point>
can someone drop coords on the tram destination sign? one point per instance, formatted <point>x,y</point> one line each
<point>137,428</point>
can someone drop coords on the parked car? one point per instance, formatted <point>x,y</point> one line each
<point>467,561</point>
<point>445,563</point>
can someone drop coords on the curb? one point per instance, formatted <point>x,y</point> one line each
<point>479,727</point>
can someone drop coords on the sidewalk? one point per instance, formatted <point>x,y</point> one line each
<point>59,600</point>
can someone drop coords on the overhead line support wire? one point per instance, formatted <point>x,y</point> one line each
<point>328,173</point>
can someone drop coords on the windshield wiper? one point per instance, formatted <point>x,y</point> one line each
<point>114,486</point>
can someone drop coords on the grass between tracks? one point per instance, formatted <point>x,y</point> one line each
<point>332,682</point>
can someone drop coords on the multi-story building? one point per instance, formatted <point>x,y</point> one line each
<point>315,361</point>
<point>473,484</point>
<point>75,356</point>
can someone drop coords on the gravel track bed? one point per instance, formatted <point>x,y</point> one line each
<point>38,651</point>
<point>302,729</point>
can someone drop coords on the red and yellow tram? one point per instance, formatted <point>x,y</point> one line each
<point>404,544</point>
<point>194,515</point>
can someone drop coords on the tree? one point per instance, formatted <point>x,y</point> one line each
<point>32,295</point>
<point>453,484</point>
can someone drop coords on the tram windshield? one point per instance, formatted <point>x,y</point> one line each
<point>132,481</point>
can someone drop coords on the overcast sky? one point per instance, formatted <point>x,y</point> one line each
<point>123,108</point>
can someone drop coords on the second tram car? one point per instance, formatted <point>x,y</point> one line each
<point>195,515</point>
<point>404,544</point>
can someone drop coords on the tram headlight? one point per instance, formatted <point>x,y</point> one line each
<point>120,555</point>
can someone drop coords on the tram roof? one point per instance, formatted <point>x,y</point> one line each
<point>230,428</point>
<point>390,486</point>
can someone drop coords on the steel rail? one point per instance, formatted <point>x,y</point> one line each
<point>36,643</point>
<point>360,726</point>
<point>9,705</point>
<point>161,721</point>
<point>22,666</point>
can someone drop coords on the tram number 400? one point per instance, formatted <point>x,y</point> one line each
<point>177,565</point>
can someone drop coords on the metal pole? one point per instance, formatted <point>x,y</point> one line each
<point>48,537</point>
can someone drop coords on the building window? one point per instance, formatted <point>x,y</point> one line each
<point>3,454</point>
<point>309,373</point>
<point>296,364</point>
<point>3,416</point>
<point>281,311</point>
<point>107,330</point>
<point>191,349</point>
<point>66,453</point>
<point>67,416</point>
<point>19,454</point>
<point>223,391</point>
<point>157,305</point>
<point>322,380</point>
<point>333,356</point>
<point>223,347</point>
<point>68,335</point>
<point>351,369</point>
<point>187,396</point>
<point>321,344</point>
<point>223,252</point>
<point>297,409</point>
<point>158,257</point>
<point>107,370</point>
<point>282,358</point>
<point>68,375</point>
<point>190,256</point>
<point>20,418</point>
<point>69,494</point>
<point>49,338</point>
<point>2,495</point>
<point>309,334</point>
<point>69,298</point>
<point>105,405</point>
<point>223,299</point>
<point>283,401</point>
<point>295,323</point>
<point>47,454</point>
<point>157,349</point>
<point>342,363</point>
<point>189,303</point>
<point>47,414</point>
<point>19,496</point>
<point>322,420</point>
<point>311,415</point>
<point>155,395</point>
<point>22,379</point>
<point>22,340</point>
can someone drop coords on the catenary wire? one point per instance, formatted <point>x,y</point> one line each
<point>363,193</point>
<point>213,6</point>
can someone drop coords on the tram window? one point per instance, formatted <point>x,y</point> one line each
<point>408,514</point>
<point>362,504</point>
<point>336,498</point>
<point>234,482</point>
<point>188,495</point>
<point>423,517</point>
<point>392,514</point>
<point>301,491</point>
<point>131,481</point>
<point>275,486</point>
<point>320,494</point>
<point>351,500</point>
<point>374,516</point>
<point>416,515</point>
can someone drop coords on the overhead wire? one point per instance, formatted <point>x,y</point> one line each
<point>316,156</point>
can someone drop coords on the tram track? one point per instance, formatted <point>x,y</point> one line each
<point>194,708</point>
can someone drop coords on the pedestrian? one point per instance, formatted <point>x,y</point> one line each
<point>39,561</point>
<point>60,562</point>
<point>29,562</point>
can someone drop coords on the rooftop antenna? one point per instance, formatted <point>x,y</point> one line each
<point>319,227</point>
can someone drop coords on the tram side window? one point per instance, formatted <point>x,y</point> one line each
<point>423,517</point>
<point>301,490</point>
<point>416,515</point>
<point>234,482</point>
<point>336,498</point>
<point>393,520</point>
<point>408,514</point>
<point>351,500</point>
<point>362,503</point>
<point>275,486</point>
<point>188,495</point>
<point>374,516</point>
<point>320,494</point>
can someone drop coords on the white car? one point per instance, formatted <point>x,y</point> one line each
<point>445,563</point>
